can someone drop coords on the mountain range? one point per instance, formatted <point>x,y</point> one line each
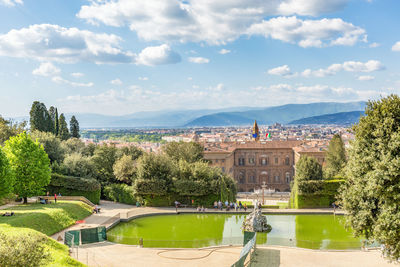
<point>235,116</point>
<point>342,118</point>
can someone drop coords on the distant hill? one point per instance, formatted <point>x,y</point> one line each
<point>341,118</point>
<point>282,114</point>
<point>234,116</point>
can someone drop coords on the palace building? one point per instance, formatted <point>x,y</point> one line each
<point>255,163</point>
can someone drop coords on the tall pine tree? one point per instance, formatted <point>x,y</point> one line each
<point>74,127</point>
<point>63,130</point>
<point>39,117</point>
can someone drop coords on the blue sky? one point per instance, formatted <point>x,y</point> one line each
<point>123,56</point>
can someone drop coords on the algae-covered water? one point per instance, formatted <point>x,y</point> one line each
<point>202,230</point>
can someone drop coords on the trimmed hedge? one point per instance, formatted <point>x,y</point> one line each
<point>75,186</point>
<point>120,193</point>
<point>315,193</point>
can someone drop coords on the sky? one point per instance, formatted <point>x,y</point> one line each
<point>124,56</point>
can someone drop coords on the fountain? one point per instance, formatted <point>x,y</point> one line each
<point>256,222</point>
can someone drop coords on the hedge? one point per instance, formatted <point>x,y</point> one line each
<point>314,193</point>
<point>75,186</point>
<point>120,193</point>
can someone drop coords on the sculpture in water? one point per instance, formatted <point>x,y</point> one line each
<point>256,222</point>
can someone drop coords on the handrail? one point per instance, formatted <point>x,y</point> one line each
<point>76,198</point>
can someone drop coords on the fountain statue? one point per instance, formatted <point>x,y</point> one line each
<point>256,222</point>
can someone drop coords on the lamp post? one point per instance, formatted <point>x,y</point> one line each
<point>263,186</point>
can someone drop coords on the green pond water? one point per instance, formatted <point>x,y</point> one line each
<point>202,230</point>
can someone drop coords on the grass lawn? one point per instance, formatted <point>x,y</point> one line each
<point>47,219</point>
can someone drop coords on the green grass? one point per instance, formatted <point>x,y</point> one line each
<point>47,219</point>
<point>59,252</point>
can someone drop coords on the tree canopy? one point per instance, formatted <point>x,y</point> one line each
<point>308,168</point>
<point>335,157</point>
<point>74,127</point>
<point>188,151</point>
<point>8,129</point>
<point>63,128</point>
<point>125,169</point>
<point>51,144</point>
<point>6,175</point>
<point>372,191</point>
<point>30,163</point>
<point>40,118</point>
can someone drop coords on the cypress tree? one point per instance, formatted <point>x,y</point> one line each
<point>56,124</point>
<point>63,130</point>
<point>335,157</point>
<point>74,127</point>
<point>52,115</point>
<point>39,117</point>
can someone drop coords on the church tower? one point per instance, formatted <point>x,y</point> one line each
<point>256,132</point>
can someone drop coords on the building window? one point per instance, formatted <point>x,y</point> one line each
<point>241,161</point>
<point>251,160</point>
<point>223,169</point>
<point>241,178</point>
<point>222,160</point>
<point>276,178</point>
<point>252,179</point>
<point>287,161</point>
<point>264,161</point>
<point>276,160</point>
<point>216,161</point>
<point>287,177</point>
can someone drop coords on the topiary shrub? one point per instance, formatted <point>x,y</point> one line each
<point>75,186</point>
<point>120,193</point>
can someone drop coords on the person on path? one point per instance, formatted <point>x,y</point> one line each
<point>240,205</point>
<point>245,207</point>
<point>215,205</point>
<point>55,198</point>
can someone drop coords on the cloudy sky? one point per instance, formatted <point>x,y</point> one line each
<point>123,56</point>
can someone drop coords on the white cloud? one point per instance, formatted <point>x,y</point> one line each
<point>223,21</point>
<point>60,80</point>
<point>374,45</point>
<point>366,78</point>
<point>116,82</point>
<point>396,47</point>
<point>46,69</point>
<point>143,78</point>
<point>157,55</point>
<point>46,42</point>
<point>349,66</point>
<point>190,78</point>
<point>199,60</point>
<point>309,33</point>
<point>77,74</point>
<point>281,71</point>
<point>224,51</point>
<point>11,3</point>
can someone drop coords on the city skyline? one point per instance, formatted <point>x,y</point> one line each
<point>122,57</point>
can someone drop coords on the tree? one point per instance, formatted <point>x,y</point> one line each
<point>125,169</point>
<point>335,157</point>
<point>63,128</point>
<point>73,145</point>
<point>30,163</point>
<point>51,144</point>
<point>56,123</point>
<point>77,165</point>
<point>8,129</point>
<point>104,159</point>
<point>74,127</point>
<point>190,151</point>
<point>154,175</point>
<point>6,175</point>
<point>132,151</point>
<point>52,120</point>
<point>371,192</point>
<point>39,117</point>
<point>308,168</point>
<point>88,150</point>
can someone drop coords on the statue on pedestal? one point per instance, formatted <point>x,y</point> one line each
<point>256,222</point>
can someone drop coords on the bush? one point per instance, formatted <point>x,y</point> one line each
<point>158,201</point>
<point>120,193</point>
<point>75,186</point>
<point>22,250</point>
<point>314,193</point>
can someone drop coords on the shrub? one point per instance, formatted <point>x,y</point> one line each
<point>120,193</point>
<point>22,250</point>
<point>75,186</point>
